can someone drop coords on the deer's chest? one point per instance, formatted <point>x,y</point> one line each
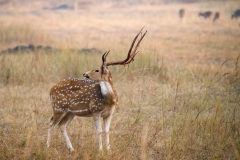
<point>108,93</point>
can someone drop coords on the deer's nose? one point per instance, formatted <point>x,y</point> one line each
<point>85,75</point>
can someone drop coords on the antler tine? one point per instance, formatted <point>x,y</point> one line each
<point>135,52</point>
<point>134,40</point>
<point>104,56</point>
<point>131,54</point>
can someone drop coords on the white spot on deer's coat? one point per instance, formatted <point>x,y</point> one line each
<point>76,111</point>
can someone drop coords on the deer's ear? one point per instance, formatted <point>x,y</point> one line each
<point>104,69</point>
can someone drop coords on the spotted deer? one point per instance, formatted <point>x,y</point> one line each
<point>181,14</point>
<point>206,15</point>
<point>94,96</point>
<point>236,14</point>
<point>216,16</point>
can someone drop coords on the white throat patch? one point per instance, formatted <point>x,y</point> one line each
<point>106,88</point>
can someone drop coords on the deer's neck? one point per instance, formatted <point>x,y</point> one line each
<point>108,92</point>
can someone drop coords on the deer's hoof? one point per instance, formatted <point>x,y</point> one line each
<point>71,149</point>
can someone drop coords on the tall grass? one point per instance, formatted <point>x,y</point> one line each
<point>173,114</point>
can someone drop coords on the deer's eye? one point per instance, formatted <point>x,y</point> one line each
<point>96,70</point>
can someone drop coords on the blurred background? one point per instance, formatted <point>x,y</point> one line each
<point>104,24</point>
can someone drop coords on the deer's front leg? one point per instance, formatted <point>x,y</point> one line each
<point>107,122</point>
<point>97,122</point>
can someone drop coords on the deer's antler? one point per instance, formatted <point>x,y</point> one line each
<point>131,53</point>
<point>104,56</point>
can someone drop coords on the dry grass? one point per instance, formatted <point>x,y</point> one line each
<point>180,98</point>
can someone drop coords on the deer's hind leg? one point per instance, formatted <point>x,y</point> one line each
<point>63,124</point>
<point>54,120</point>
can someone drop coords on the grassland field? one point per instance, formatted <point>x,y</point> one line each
<point>179,99</point>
